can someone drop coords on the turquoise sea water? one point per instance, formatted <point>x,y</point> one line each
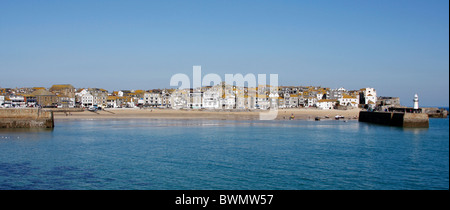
<point>234,155</point>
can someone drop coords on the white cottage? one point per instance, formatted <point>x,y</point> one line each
<point>326,103</point>
<point>349,101</point>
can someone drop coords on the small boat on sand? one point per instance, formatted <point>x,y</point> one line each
<point>337,117</point>
<point>291,117</point>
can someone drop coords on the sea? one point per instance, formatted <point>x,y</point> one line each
<point>141,154</point>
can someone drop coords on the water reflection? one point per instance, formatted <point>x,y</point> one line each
<point>26,133</point>
<point>416,131</point>
<point>26,130</point>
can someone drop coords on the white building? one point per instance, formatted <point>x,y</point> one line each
<point>66,102</point>
<point>81,93</point>
<point>274,100</point>
<point>241,98</point>
<point>2,101</point>
<point>212,99</point>
<point>195,99</point>
<point>120,93</point>
<point>111,102</point>
<point>152,99</point>
<point>241,101</point>
<point>290,100</point>
<point>311,101</point>
<point>319,95</point>
<point>17,101</point>
<point>180,99</point>
<point>228,102</point>
<point>369,95</point>
<point>130,104</point>
<point>263,102</point>
<point>165,99</point>
<point>348,100</point>
<point>326,103</point>
<point>341,89</point>
<point>87,100</point>
<point>229,98</point>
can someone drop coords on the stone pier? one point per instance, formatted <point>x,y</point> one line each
<point>26,118</point>
<point>409,120</point>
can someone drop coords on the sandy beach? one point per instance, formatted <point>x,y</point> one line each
<point>283,114</point>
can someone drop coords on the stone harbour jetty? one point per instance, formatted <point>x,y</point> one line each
<point>26,118</point>
<point>401,119</point>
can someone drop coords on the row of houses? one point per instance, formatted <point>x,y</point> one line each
<point>36,97</point>
<point>266,97</point>
<point>220,96</point>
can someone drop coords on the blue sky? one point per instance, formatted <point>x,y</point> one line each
<point>399,47</point>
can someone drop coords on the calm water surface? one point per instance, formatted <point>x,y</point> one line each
<point>171,154</point>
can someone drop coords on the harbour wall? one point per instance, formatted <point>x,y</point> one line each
<point>435,112</point>
<point>409,120</point>
<point>26,118</point>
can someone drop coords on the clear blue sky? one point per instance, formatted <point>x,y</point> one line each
<point>398,47</point>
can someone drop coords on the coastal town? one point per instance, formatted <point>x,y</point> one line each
<point>218,97</point>
<point>39,106</point>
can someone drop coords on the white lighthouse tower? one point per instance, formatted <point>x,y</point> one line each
<point>416,101</point>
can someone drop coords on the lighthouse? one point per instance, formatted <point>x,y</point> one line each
<point>416,101</point>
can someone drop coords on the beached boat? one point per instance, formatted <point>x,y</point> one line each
<point>92,108</point>
<point>337,117</point>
